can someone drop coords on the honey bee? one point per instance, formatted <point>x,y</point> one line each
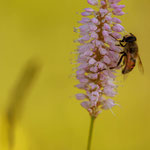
<point>130,54</point>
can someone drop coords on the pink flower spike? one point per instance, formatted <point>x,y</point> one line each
<point>93,2</point>
<point>98,54</point>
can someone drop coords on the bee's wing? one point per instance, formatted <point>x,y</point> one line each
<point>140,65</point>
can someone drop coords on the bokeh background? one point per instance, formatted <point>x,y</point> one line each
<point>50,118</point>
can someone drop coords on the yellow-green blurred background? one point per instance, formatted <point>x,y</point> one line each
<point>51,118</point>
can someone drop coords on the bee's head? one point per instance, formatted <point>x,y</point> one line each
<point>129,38</point>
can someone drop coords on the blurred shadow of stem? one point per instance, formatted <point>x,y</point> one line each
<point>17,98</point>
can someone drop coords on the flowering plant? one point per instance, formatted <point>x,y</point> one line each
<point>98,56</point>
<point>98,53</point>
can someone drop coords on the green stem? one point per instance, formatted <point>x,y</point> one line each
<point>90,133</point>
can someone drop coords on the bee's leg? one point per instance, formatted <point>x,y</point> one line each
<point>120,60</point>
<point>122,52</point>
<point>122,44</point>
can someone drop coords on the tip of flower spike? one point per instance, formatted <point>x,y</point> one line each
<point>92,2</point>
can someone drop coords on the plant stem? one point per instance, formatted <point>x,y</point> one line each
<point>90,133</point>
